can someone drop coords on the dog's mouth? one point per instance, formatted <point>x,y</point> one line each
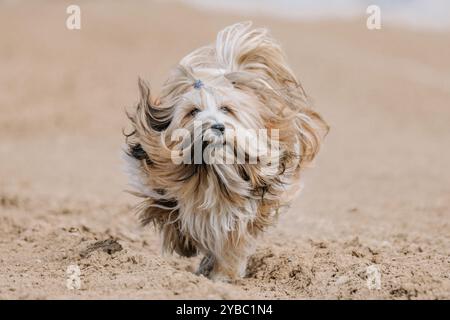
<point>209,148</point>
<point>212,151</point>
<point>213,147</point>
<point>210,144</point>
<point>213,138</point>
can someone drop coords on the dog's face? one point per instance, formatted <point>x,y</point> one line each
<point>215,113</point>
<point>219,107</point>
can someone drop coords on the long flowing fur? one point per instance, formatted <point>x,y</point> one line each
<point>219,209</point>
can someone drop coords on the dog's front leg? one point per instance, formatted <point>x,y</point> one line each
<point>225,270</point>
<point>206,265</point>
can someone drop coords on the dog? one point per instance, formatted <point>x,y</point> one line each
<point>219,96</point>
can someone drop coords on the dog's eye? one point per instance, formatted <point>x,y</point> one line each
<point>225,109</point>
<point>194,112</point>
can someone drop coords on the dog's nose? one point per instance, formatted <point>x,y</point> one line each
<point>218,126</point>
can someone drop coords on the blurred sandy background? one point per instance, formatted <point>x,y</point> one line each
<point>379,194</point>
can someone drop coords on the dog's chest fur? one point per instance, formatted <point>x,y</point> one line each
<point>215,203</point>
<point>212,205</point>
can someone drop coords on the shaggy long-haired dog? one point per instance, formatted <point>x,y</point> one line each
<point>222,96</point>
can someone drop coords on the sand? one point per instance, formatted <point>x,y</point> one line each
<point>378,195</point>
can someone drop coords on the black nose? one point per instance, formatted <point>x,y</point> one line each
<point>218,126</point>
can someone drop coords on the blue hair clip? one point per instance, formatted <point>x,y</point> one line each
<point>198,84</point>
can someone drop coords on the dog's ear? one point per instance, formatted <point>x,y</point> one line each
<point>242,49</point>
<point>149,114</point>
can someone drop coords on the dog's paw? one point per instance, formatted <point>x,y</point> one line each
<point>206,266</point>
<point>212,270</point>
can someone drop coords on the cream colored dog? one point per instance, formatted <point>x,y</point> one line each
<point>218,98</point>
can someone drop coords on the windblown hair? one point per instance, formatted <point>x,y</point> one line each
<point>243,82</point>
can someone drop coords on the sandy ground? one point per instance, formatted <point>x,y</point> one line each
<point>378,195</point>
